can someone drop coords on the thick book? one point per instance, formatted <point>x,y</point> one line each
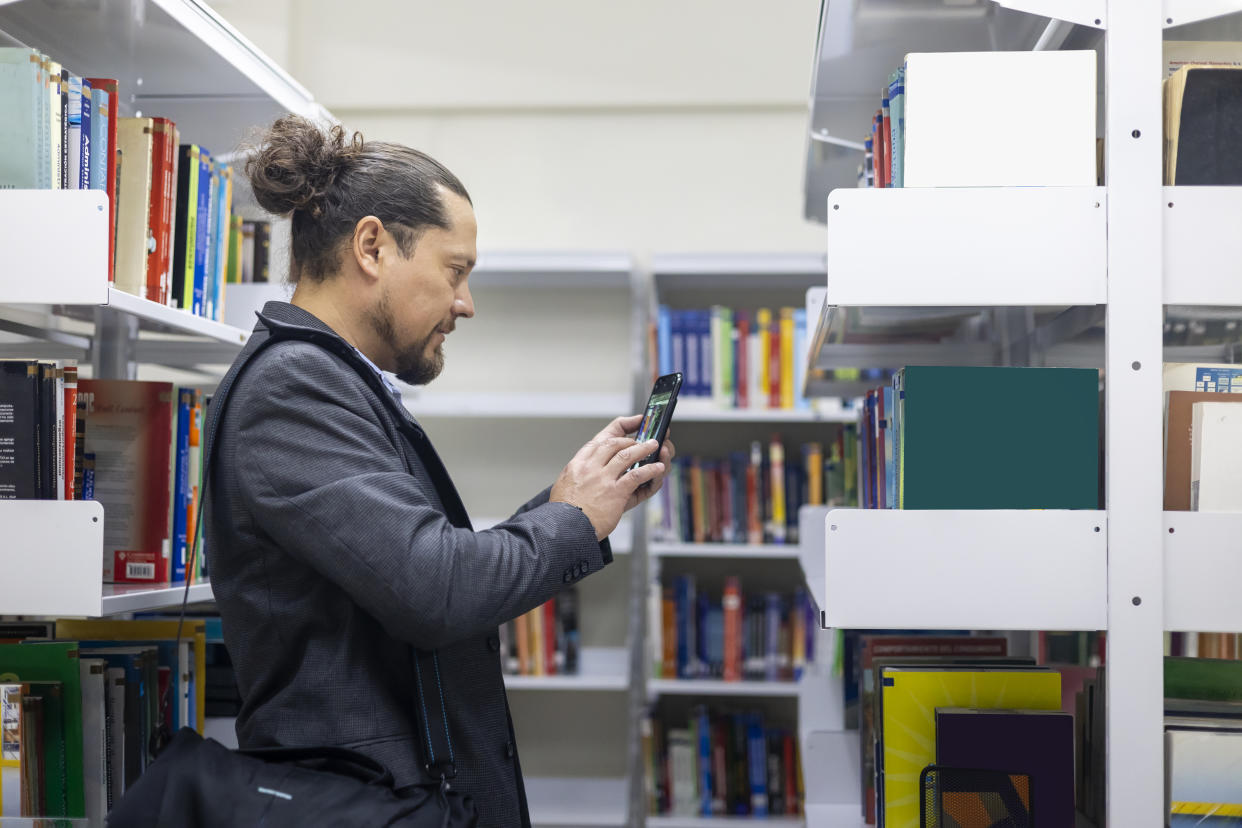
<point>1203,126</point>
<point>181,494</point>
<point>1216,457</point>
<point>22,89</point>
<point>1041,435</point>
<point>909,697</point>
<point>1038,743</point>
<point>135,137</point>
<point>1178,443</point>
<point>202,232</point>
<point>19,430</point>
<point>159,257</point>
<point>94,739</point>
<point>129,431</point>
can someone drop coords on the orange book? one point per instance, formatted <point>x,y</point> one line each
<point>159,244</point>
<point>754,511</point>
<point>521,631</point>
<point>668,637</point>
<point>732,605</point>
<point>787,358</point>
<point>776,462</point>
<point>539,667</point>
<point>550,649</point>
<point>814,460</point>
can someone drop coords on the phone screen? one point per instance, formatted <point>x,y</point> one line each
<point>658,413</point>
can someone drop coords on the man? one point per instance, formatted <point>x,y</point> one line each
<point>359,607</point>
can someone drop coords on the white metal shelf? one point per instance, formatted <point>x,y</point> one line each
<point>695,410</point>
<point>608,269</point>
<point>508,405</point>
<point>600,669</point>
<point>732,271</point>
<point>962,569</point>
<point>572,802</point>
<point>960,234</point>
<point>1202,568</point>
<point>119,598</point>
<point>55,557</point>
<point>717,687</point>
<point>1202,250</point>
<point>179,60</point>
<point>770,551</point>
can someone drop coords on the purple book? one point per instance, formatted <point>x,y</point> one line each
<point>1035,742</point>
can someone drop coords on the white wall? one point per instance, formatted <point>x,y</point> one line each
<point>577,124</point>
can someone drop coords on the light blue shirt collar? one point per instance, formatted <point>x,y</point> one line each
<point>395,392</point>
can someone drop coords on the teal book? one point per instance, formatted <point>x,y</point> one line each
<point>999,438</point>
<point>22,89</point>
<point>55,661</point>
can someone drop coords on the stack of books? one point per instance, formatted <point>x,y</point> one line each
<point>721,763</point>
<point>729,635</point>
<point>736,358</point>
<point>173,238</point>
<point>544,641</point>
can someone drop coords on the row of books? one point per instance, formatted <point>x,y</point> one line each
<point>721,763</point>
<point>1045,421</point>
<point>83,705</point>
<point>1204,645</point>
<point>1203,742</point>
<point>173,238</point>
<point>741,498</point>
<point>694,634</point>
<point>544,641</point>
<point>134,446</point>
<point>736,358</point>
<point>1202,437</point>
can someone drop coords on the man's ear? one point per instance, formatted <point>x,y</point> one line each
<point>368,238</point>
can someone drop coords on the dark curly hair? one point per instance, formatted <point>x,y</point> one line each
<point>328,180</point>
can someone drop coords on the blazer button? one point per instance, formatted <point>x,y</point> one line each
<point>509,750</point>
<point>567,576</point>
<point>493,643</point>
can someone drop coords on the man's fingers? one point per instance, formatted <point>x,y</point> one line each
<point>621,426</point>
<point>607,449</point>
<point>668,452</point>
<point>629,456</point>
<point>643,474</point>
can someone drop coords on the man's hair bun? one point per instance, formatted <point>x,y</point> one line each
<point>296,164</point>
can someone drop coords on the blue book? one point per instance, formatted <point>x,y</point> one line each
<point>73,132</point>
<point>86,117</point>
<point>757,764</point>
<point>677,346</point>
<point>706,352</point>
<point>683,613</point>
<point>664,340</point>
<point>772,633</point>
<point>202,231</point>
<point>690,327</point>
<point>88,476</point>
<point>222,241</point>
<point>799,355</point>
<point>181,486</point>
<point>101,107</point>
<point>704,729</point>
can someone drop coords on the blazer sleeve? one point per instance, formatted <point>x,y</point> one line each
<point>320,474</point>
<point>605,546</point>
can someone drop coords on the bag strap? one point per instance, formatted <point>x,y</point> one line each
<point>432,716</point>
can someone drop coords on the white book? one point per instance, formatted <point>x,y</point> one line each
<point>1000,119</point>
<point>681,758</point>
<point>756,397</point>
<point>1203,766</point>
<point>10,750</point>
<point>655,627</point>
<point>114,692</point>
<point>74,147</point>
<point>94,738</point>
<point>1216,457</point>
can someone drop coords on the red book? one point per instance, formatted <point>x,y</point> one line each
<point>887,130</point>
<point>71,427</point>
<point>741,383</point>
<point>877,150</point>
<point>550,637</point>
<point>668,635</point>
<point>109,85</point>
<point>732,606</point>
<point>159,219</point>
<point>129,429</point>
<point>774,366</point>
<point>754,514</point>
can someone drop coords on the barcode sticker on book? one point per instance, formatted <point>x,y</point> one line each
<point>140,570</point>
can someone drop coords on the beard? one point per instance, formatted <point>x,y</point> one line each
<point>414,367</point>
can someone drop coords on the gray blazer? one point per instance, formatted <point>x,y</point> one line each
<point>335,543</point>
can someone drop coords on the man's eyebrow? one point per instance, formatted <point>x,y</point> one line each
<point>463,258</point>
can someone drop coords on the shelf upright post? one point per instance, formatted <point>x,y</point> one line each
<point>112,351</point>
<point>1133,143</point>
<point>641,289</point>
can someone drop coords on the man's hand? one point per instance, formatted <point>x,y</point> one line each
<point>598,480</point>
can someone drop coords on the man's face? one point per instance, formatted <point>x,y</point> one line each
<point>422,297</point>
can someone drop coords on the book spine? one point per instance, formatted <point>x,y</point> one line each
<point>754,509</point>
<point>732,605</point>
<point>235,250</point>
<point>47,431</point>
<point>157,219</point>
<point>744,368</point>
<point>222,244</point>
<point>185,231</point>
<point>202,231</point>
<point>107,152</point>
<point>262,245</point>
<point>756,752</point>
<point>707,355</point>
<point>776,459</point>
<point>85,115</point>
<point>800,400</point>
<point>787,359</point>
<point>763,322</point>
<point>57,405</point>
<point>66,179</point>
<point>800,633</point>
<point>772,643</point>
<point>181,490</point>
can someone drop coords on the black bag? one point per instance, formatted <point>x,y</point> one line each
<point>198,783</point>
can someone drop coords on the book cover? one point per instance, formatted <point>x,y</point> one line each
<point>1056,410</point>
<point>181,494</point>
<point>22,89</point>
<point>756,763</point>
<point>135,137</point>
<point>776,460</point>
<point>1038,743</point>
<point>19,430</point>
<point>1203,126</point>
<point>107,151</point>
<point>202,231</point>
<point>185,233</point>
<point>159,256</point>
<point>1203,769</point>
<point>897,123</point>
<point>763,364</point>
<point>681,756</point>
<point>1216,457</point>
<point>55,662</point>
<point>787,394</point>
<point>909,697</point>
<point>129,432</point>
<point>48,405</point>
<point>731,604</point>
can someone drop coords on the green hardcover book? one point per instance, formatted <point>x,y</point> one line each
<point>999,438</point>
<point>55,751</point>
<point>1211,679</point>
<point>55,661</point>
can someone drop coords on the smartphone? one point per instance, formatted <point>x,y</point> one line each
<point>658,414</point>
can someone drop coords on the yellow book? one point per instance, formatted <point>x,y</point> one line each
<point>536,642</point>
<point>908,701</point>
<point>776,464</point>
<point>787,358</point>
<point>763,322</point>
<point>134,137</point>
<point>194,632</point>
<point>814,474</point>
